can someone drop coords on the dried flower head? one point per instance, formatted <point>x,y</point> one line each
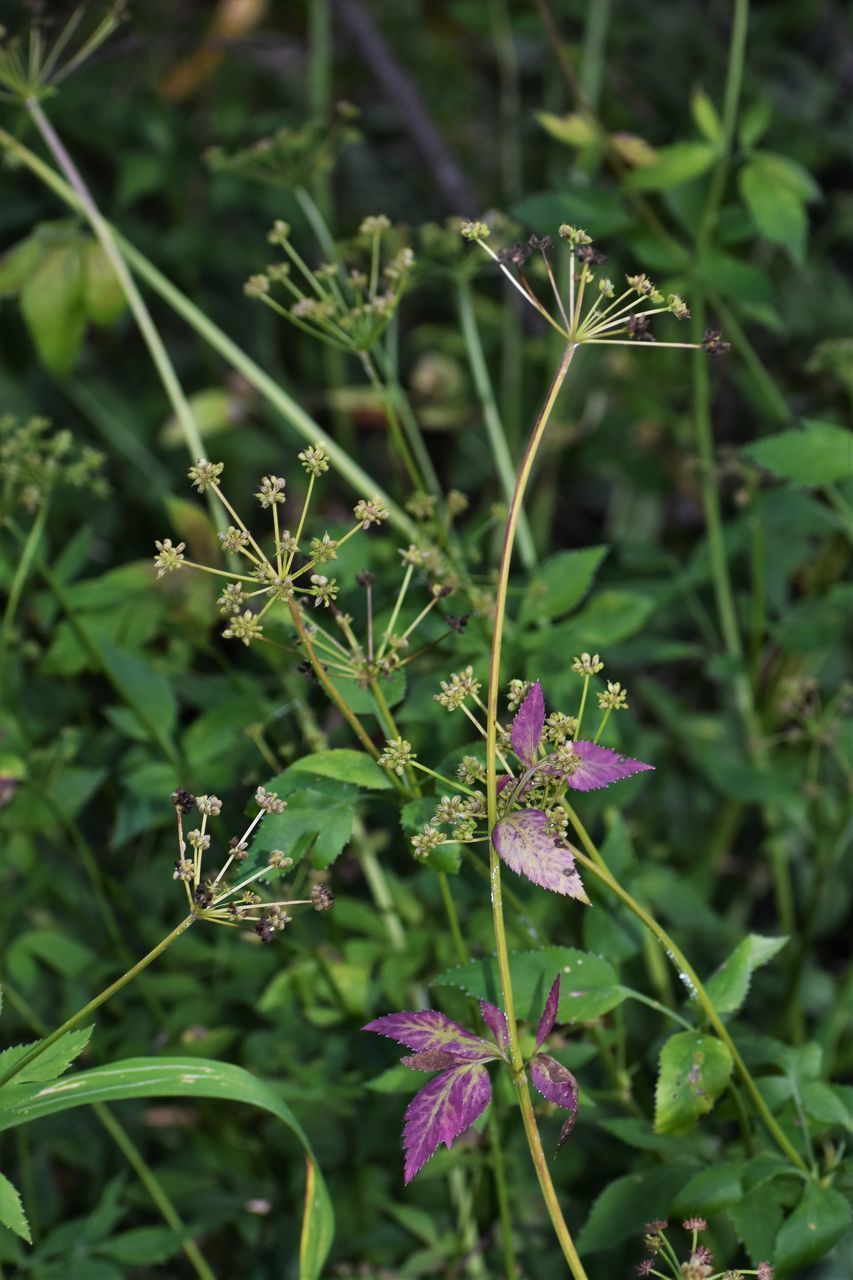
<point>205,475</point>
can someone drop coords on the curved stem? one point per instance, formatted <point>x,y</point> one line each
<point>81,1014</point>
<point>594,862</point>
<point>522,1090</point>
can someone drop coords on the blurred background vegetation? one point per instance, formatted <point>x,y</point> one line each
<point>610,116</point>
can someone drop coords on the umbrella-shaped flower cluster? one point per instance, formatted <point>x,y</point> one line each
<point>460,1093</point>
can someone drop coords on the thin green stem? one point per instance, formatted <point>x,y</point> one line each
<point>82,1014</point>
<point>594,862</point>
<point>491,416</point>
<point>28,552</point>
<point>401,444</point>
<point>522,1090</point>
<point>288,409</point>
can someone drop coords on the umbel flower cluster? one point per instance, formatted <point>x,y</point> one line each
<point>346,304</point>
<point>540,758</point>
<point>34,460</point>
<point>291,157</point>
<point>449,1104</point>
<point>594,312</point>
<point>699,1264</point>
<point>247,597</point>
<point>213,897</point>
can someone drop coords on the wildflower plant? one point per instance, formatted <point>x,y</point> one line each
<point>664,1260</point>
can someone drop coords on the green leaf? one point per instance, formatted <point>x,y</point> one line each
<point>317,818</point>
<point>705,115</point>
<point>143,1246</point>
<point>694,1071</point>
<point>48,1065</point>
<point>821,454</point>
<point>184,1078</point>
<point>610,617</point>
<point>757,1218</point>
<point>574,129</point>
<point>12,1211</point>
<point>673,165</point>
<point>53,307</point>
<point>729,986</point>
<point>104,298</point>
<point>214,409</point>
<point>343,765</point>
<point>776,190</point>
<point>623,1207</point>
<point>19,263</point>
<point>711,1190</point>
<point>560,583</point>
<point>589,985</point>
<point>818,1222</point>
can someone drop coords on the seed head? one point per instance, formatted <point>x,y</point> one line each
<point>257,285</point>
<point>324,549</point>
<point>198,841</point>
<point>238,849</point>
<point>695,1224</point>
<point>315,460</point>
<point>587,665</point>
<point>516,693</point>
<point>231,599</point>
<point>474,231</point>
<point>279,233</point>
<point>280,860</point>
<point>427,840</point>
<point>322,898</point>
<point>614,699</point>
<point>715,346</point>
<point>397,755</point>
<point>765,1271</point>
<point>168,558</point>
<point>455,690</point>
<point>271,492</point>
<point>233,539</point>
<point>184,869</point>
<point>205,475</point>
<point>243,626</point>
<point>269,801</point>
<point>370,511</point>
<point>182,800</point>
<point>210,805</point>
<point>374,225</point>
<point>574,236</point>
<point>323,589</point>
<point>471,770</point>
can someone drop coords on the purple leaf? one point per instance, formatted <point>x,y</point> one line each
<point>549,1014</point>
<point>428,1030</point>
<point>495,1020</point>
<point>430,1060</point>
<point>599,766</point>
<point>556,1083</point>
<point>528,725</point>
<point>523,841</point>
<point>443,1109</point>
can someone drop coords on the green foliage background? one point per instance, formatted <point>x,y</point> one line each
<point>117,689</point>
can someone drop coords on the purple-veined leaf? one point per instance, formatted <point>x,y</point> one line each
<point>528,724</point>
<point>495,1020</point>
<point>599,766</point>
<point>556,1083</point>
<point>443,1109</point>
<point>527,847</point>
<point>430,1060</point>
<point>503,780</point>
<point>549,1014</point>
<point>428,1030</point>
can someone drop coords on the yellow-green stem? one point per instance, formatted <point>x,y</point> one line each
<point>522,1091</point>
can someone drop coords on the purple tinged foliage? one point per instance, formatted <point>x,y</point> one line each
<point>450,1103</point>
<point>528,724</point>
<point>443,1110</point>
<point>599,766</point>
<point>427,1030</point>
<point>495,1020</point>
<point>527,847</point>
<point>556,1083</point>
<point>549,1014</point>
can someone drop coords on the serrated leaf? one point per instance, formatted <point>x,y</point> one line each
<point>524,843</point>
<point>343,765</point>
<point>711,1190</point>
<point>317,819</point>
<point>443,1110</point>
<point>757,1217</point>
<point>626,1204</point>
<point>821,455</point>
<point>189,1078</point>
<point>48,1065</point>
<point>694,1070</point>
<point>673,165</point>
<point>729,986</point>
<point>53,307</point>
<point>527,726</point>
<point>556,1083</point>
<point>818,1222</point>
<point>776,191</point>
<point>12,1211</point>
<point>598,767</point>
<point>560,583</point>
<point>589,985</point>
<point>429,1030</point>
